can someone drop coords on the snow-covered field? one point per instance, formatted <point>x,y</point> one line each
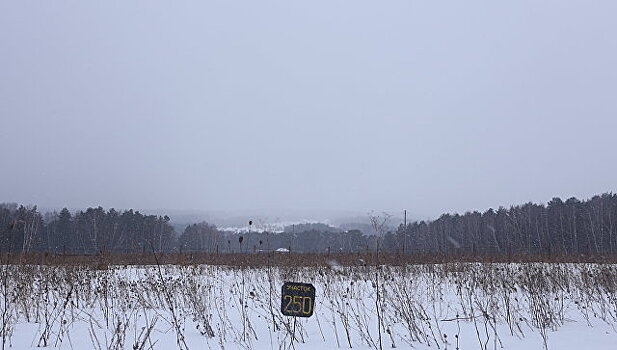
<point>450,306</point>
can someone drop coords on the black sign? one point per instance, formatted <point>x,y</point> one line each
<point>297,299</point>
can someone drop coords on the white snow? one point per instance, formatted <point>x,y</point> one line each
<point>461,306</point>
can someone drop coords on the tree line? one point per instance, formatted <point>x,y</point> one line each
<point>559,227</point>
<point>90,231</point>
<point>570,227</point>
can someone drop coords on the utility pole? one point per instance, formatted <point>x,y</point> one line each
<point>293,233</point>
<point>404,230</point>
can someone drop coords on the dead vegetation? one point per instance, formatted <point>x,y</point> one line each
<point>265,259</point>
<point>122,307</point>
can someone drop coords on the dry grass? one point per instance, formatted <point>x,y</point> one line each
<point>122,306</point>
<point>255,260</point>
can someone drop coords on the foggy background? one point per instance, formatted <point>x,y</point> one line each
<point>274,106</point>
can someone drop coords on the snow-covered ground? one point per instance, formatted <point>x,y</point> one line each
<point>276,226</point>
<point>452,306</point>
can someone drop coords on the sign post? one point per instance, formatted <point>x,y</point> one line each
<point>297,299</point>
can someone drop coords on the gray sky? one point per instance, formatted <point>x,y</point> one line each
<point>356,105</point>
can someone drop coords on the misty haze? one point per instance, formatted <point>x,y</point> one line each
<point>308,175</point>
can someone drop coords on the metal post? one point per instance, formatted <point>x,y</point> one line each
<point>405,231</point>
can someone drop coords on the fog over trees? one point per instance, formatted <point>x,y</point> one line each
<point>560,227</point>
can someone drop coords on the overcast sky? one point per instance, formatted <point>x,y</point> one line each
<point>352,105</point>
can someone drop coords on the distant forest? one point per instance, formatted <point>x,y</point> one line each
<point>559,227</point>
